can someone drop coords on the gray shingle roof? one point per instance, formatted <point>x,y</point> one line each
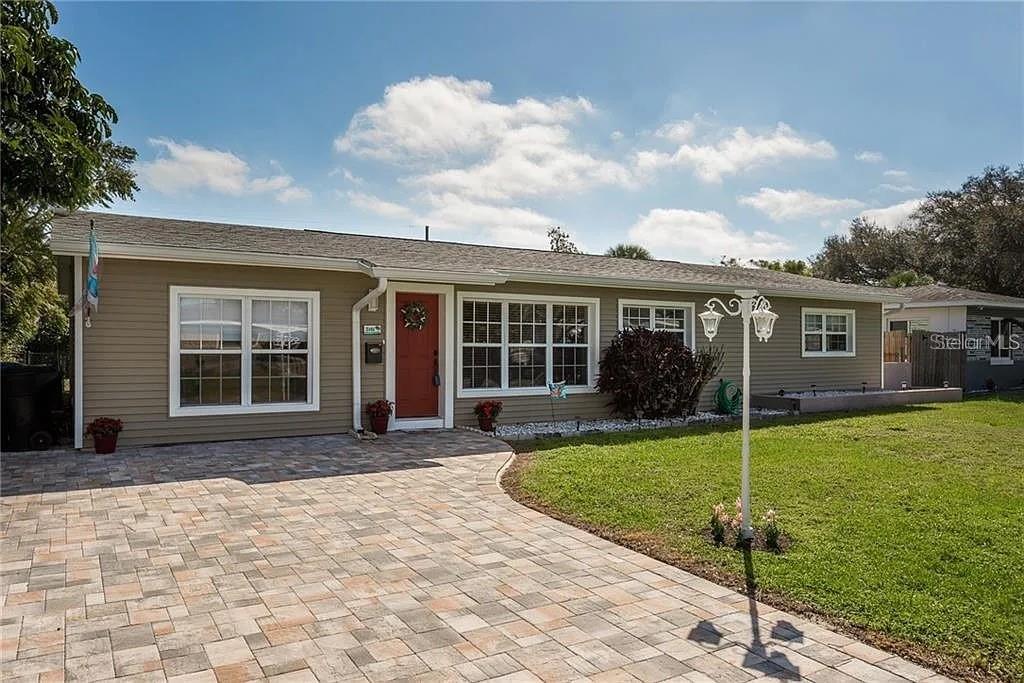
<point>392,252</point>
<point>939,293</point>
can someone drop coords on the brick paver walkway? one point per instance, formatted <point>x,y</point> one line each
<point>328,559</point>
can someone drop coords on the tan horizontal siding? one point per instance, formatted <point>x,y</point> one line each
<point>126,351</point>
<point>774,365</point>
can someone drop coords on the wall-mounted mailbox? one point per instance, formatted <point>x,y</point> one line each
<point>373,353</point>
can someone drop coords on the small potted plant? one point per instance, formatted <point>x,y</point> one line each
<point>380,412</point>
<point>104,431</point>
<point>487,413</point>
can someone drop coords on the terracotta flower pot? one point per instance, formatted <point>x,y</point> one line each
<point>105,444</point>
<point>379,424</point>
<point>486,423</point>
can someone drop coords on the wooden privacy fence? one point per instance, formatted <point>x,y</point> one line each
<point>933,363</point>
<point>897,347</point>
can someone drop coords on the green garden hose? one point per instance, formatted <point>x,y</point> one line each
<point>728,398</point>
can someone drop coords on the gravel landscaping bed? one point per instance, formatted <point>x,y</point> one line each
<point>564,428</point>
<point>835,392</point>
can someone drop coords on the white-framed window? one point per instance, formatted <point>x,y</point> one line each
<point>237,351</point>
<point>1000,333</point>
<point>828,332</point>
<point>671,316</point>
<point>511,345</point>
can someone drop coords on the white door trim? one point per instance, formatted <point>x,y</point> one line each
<point>447,344</point>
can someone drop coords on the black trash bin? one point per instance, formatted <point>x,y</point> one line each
<point>30,406</point>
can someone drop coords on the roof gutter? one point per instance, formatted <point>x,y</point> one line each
<point>972,302</point>
<point>486,277</point>
<point>220,256</point>
<point>357,369</point>
<point>585,281</point>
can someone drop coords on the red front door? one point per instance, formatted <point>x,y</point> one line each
<point>416,357</point>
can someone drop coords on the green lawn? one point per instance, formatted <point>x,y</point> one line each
<point>906,522</point>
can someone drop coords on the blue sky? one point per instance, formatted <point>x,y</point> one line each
<point>698,130</point>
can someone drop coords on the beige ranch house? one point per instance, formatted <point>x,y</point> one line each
<point>208,331</point>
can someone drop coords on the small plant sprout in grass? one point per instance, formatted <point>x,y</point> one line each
<point>772,531</point>
<point>719,519</point>
<point>737,520</point>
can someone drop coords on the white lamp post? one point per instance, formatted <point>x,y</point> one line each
<point>751,307</point>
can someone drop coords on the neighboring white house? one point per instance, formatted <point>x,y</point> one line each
<point>993,325</point>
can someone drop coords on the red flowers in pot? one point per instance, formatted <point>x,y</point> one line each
<point>487,413</point>
<point>379,412</point>
<point>104,431</point>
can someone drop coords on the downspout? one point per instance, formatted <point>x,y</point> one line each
<point>79,387</point>
<point>357,366</point>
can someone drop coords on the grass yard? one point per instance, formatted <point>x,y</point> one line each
<point>907,523</point>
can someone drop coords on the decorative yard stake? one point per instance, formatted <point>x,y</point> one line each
<point>557,392</point>
<point>751,307</point>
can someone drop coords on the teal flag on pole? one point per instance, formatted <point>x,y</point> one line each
<point>92,282</point>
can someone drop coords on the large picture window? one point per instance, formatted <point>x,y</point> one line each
<point>828,332</point>
<point>241,351</point>
<point>669,316</point>
<point>510,345</point>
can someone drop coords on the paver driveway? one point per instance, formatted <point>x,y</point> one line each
<point>324,558</point>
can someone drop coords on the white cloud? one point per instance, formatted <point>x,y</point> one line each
<point>892,216</point>
<point>702,235</point>
<point>869,157</point>
<point>736,152</point>
<point>781,205</point>
<point>679,131</point>
<point>898,188</point>
<point>528,161</point>
<point>457,139</point>
<point>896,174</point>
<point>381,207</point>
<point>503,225</point>
<point>436,116</point>
<point>348,175</point>
<point>188,166</point>
<point>616,136</point>
<point>479,221</point>
<point>293,194</point>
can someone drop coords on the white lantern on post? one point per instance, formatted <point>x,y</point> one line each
<point>757,310</point>
<point>764,320</point>
<point>710,319</point>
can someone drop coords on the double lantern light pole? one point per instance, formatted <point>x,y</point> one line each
<point>752,308</point>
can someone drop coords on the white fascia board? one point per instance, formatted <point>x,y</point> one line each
<point>487,277</point>
<point>191,255</point>
<point>590,281</point>
<point>948,304</point>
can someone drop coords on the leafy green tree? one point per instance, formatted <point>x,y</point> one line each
<point>974,237</point>
<point>634,251</point>
<point>971,237</point>
<point>560,241</point>
<point>793,266</point>
<point>866,256</point>
<point>907,278</point>
<point>57,153</point>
